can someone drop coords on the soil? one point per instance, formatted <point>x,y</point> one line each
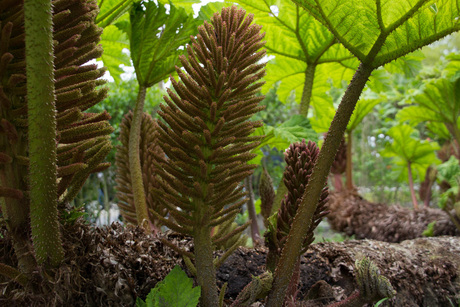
<point>355,216</point>
<point>112,266</point>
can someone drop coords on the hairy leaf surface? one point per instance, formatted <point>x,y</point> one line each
<point>155,38</point>
<point>111,10</point>
<point>377,32</point>
<point>297,39</point>
<point>114,41</point>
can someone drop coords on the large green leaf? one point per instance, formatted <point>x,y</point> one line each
<point>113,42</point>
<point>452,69</point>
<point>208,10</point>
<point>297,39</point>
<point>405,149</point>
<point>156,38</point>
<point>363,107</point>
<point>186,4</point>
<point>377,32</point>
<point>439,102</point>
<point>324,113</point>
<point>111,10</point>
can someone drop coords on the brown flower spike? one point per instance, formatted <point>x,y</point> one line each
<point>205,133</point>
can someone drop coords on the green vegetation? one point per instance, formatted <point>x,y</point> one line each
<point>175,290</point>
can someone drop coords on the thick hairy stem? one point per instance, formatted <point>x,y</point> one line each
<point>307,208</point>
<point>349,168</point>
<point>307,89</point>
<point>255,234</point>
<point>42,132</point>
<point>206,272</point>
<point>293,284</point>
<point>411,186</point>
<point>140,202</point>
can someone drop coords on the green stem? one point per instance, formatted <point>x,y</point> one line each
<point>349,167</point>
<point>106,196</point>
<point>307,89</point>
<point>411,185</point>
<point>42,132</point>
<point>135,161</point>
<point>307,208</point>
<point>255,234</point>
<point>204,263</point>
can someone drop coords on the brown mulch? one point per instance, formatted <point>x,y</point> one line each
<point>111,266</point>
<point>355,216</point>
<point>108,266</point>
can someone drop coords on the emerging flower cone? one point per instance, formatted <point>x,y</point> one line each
<point>300,159</point>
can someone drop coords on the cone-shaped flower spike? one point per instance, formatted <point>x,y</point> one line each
<point>205,133</point>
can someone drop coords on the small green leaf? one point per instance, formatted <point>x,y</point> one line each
<point>429,231</point>
<point>294,130</point>
<point>175,290</point>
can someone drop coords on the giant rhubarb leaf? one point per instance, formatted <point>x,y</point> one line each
<point>438,103</point>
<point>299,41</point>
<point>405,149</point>
<point>155,37</point>
<point>378,32</point>
<point>111,10</point>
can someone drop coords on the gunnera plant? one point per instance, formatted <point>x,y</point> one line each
<point>147,146</point>
<point>300,159</point>
<point>205,133</point>
<point>80,140</point>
